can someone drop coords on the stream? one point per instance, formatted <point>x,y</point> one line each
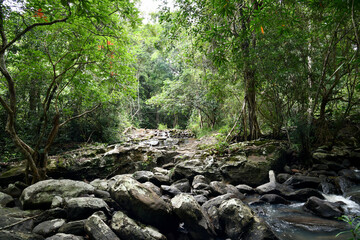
<point>292,222</point>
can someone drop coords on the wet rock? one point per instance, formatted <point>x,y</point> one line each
<point>343,184</point>
<point>235,218</point>
<point>143,176</point>
<point>183,185</point>
<point>194,217</point>
<point>98,230</point>
<point>83,207</point>
<point>74,227</point>
<point>353,175</point>
<point>282,177</point>
<point>40,194</point>
<point>302,195</point>
<point>328,188</point>
<point>303,182</point>
<point>63,236</point>
<point>127,228</point>
<point>323,208</point>
<point>274,199</point>
<point>143,203</point>
<point>354,196</point>
<point>259,230</point>
<point>314,223</point>
<point>6,200</point>
<point>48,228</point>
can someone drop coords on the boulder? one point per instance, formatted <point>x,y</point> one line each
<point>9,216</point>
<point>235,218</point>
<point>127,228</point>
<point>343,184</point>
<point>251,161</point>
<point>194,217</point>
<point>259,230</point>
<point>48,228</point>
<point>274,199</point>
<point>243,188</point>
<point>6,200</point>
<point>323,208</point>
<point>216,201</point>
<point>63,236</point>
<point>83,207</point>
<point>153,187</point>
<point>220,188</point>
<point>301,181</point>
<point>74,227</point>
<point>170,190</point>
<point>183,185</point>
<point>100,184</point>
<point>13,191</point>
<point>282,177</point>
<point>98,230</point>
<point>187,169</point>
<point>41,194</point>
<point>200,182</point>
<point>302,195</point>
<point>143,203</point>
<point>143,176</point>
<point>57,202</point>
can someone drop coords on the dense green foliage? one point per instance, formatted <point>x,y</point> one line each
<point>243,68</point>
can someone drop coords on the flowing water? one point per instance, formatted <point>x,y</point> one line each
<point>291,222</point>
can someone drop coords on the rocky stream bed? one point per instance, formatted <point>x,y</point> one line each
<point>158,185</point>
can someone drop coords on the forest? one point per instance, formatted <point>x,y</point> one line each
<point>83,72</point>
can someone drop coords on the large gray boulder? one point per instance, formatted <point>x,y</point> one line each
<point>127,228</point>
<point>143,203</point>
<point>235,218</point>
<point>41,194</point>
<point>98,230</point>
<point>194,217</point>
<point>83,207</point>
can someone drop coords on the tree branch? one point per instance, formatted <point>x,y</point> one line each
<point>80,115</point>
<point>19,35</point>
